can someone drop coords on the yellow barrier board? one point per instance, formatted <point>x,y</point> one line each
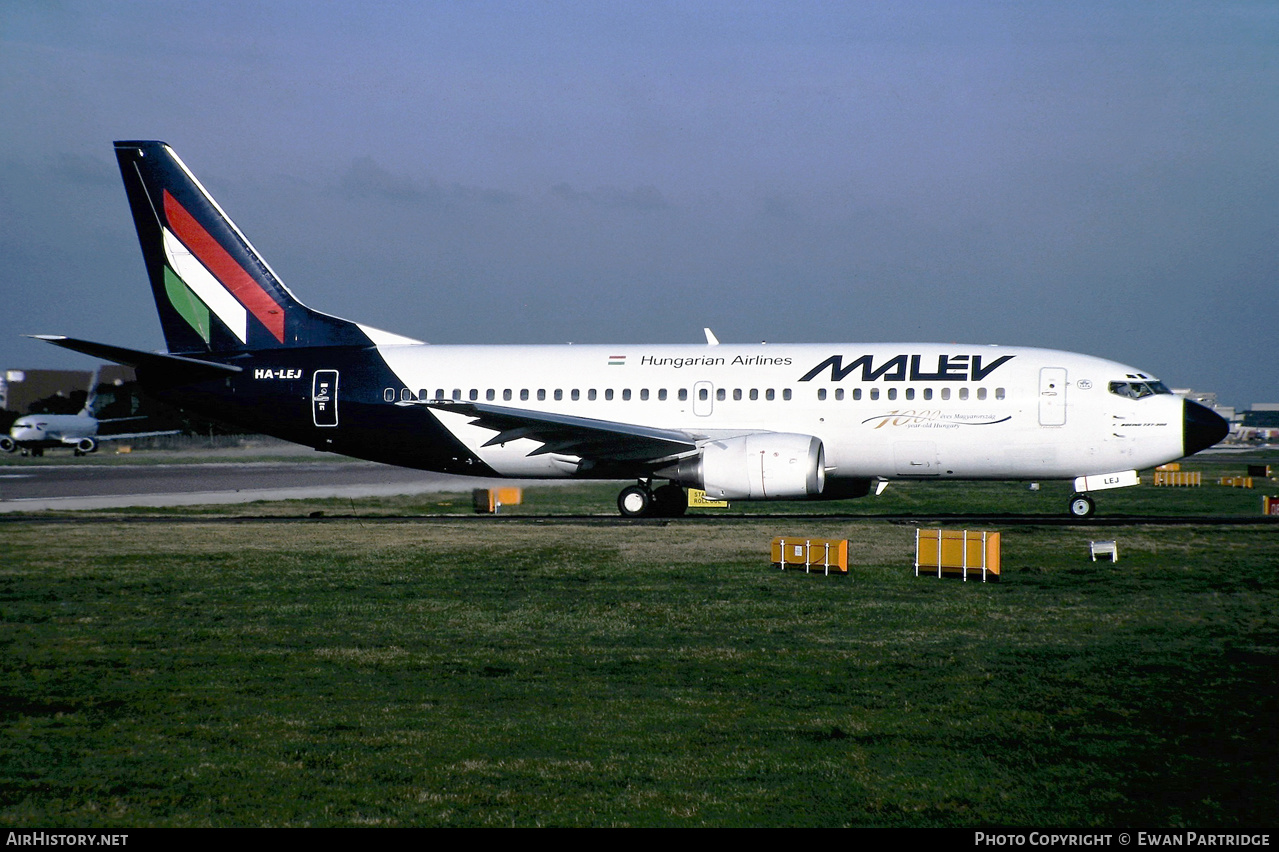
<point>962,554</point>
<point>1236,481</point>
<point>509,496</point>
<point>828,555</point>
<point>488,500</point>
<point>1189,478</point>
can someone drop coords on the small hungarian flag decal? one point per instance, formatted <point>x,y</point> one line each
<point>617,360</point>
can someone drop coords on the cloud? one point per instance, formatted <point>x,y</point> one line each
<point>365,179</point>
<point>611,197</point>
<point>84,170</point>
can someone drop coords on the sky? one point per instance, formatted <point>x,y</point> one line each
<point>1100,177</point>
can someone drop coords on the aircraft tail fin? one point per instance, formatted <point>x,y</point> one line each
<point>91,400</point>
<point>214,292</point>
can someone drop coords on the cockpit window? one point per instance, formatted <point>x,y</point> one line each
<point>1137,390</point>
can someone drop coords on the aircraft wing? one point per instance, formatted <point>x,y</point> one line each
<point>569,435</point>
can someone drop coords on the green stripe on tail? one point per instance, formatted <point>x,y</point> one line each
<point>187,303</point>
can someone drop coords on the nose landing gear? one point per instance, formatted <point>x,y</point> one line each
<point>1082,506</point>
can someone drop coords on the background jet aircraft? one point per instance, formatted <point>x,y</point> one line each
<point>34,433</point>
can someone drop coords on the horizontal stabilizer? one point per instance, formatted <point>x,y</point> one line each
<point>191,369</point>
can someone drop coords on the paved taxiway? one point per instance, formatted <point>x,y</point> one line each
<point>25,488</point>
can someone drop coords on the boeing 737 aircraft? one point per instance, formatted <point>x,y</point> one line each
<point>775,422</point>
<point>35,433</point>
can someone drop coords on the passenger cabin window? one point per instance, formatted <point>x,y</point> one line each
<point>661,395</point>
<point>786,393</point>
<point>389,394</point>
<point>683,394</point>
<point>475,394</point>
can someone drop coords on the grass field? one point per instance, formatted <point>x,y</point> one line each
<point>365,671</point>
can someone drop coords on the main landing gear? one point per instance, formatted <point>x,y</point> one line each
<point>1082,506</point>
<point>643,501</point>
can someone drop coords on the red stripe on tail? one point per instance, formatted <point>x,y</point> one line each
<point>224,267</point>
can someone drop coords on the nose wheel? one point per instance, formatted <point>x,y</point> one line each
<point>1082,506</point>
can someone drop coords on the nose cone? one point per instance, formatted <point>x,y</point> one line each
<point>1201,427</point>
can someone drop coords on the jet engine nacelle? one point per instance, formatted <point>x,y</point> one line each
<point>86,445</point>
<point>764,466</point>
<point>7,444</point>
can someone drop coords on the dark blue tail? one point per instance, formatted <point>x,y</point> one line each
<point>214,292</point>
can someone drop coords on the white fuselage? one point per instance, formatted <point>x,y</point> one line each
<point>891,410</point>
